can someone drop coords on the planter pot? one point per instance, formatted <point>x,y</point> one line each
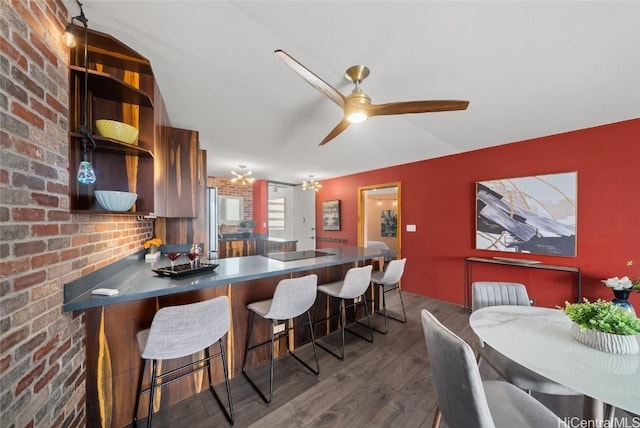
<point>607,342</point>
<point>152,254</point>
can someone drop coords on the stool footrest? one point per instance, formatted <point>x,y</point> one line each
<point>343,327</point>
<point>280,335</point>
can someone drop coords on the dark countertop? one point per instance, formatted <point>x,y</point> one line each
<point>259,237</point>
<point>135,280</point>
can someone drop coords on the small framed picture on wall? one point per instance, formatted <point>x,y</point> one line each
<point>331,215</point>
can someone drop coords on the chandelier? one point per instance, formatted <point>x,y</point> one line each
<point>243,177</point>
<point>311,184</point>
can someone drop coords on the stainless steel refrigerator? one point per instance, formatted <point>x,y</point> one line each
<point>212,222</point>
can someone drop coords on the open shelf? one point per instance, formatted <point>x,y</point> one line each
<point>128,213</point>
<point>108,145</point>
<point>105,86</point>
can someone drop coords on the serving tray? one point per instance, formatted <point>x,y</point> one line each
<point>184,270</point>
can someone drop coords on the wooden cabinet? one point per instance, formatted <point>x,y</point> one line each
<point>237,248</point>
<point>183,175</point>
<point>253,246</point>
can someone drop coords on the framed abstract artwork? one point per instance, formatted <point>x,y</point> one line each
<point>534,215</point>
<point>389,223</point>
<point>331,215</point>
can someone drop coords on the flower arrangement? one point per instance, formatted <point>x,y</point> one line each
<point>155,242</point>
<point>602,316</point>
<point>624,283</point>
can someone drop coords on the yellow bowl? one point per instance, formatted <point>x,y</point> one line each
<point>117,130</point>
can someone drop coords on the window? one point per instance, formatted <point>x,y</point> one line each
<point>276,214</point>
<point>229,210</point>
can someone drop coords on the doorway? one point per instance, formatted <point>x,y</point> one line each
<point>291,214</point>
<point>379,215</point>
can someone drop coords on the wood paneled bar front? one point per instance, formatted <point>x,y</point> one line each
<point>112,357</point>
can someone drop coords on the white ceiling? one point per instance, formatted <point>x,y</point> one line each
<point>529,69</point>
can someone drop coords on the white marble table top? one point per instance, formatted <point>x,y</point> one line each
<point>539,339</point>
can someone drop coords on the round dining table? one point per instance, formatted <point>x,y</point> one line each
<point>540,340</point>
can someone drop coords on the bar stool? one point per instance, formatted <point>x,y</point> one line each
<point>179,331</point>
<point>387,281</point>
<point>236,248</point>
<point>354,286</point>
<point>292,298</point>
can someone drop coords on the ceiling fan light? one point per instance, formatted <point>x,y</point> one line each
<point>357,116</point>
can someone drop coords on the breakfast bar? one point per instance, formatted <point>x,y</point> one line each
<point>112,322</point>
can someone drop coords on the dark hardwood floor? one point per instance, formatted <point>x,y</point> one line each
<point>386,383</point>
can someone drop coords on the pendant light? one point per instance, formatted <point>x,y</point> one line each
<point>243,177</point>
<point>86,174</point>
<point>311,184</point>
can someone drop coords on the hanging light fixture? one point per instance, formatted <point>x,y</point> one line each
<point>86,174</point>
<point>69,37</point>
<point>243,177</point>
<point>311,184</point>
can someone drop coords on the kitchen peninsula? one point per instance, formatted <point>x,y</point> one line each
<point>112,322</point>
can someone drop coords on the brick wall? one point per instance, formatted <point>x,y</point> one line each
<point>227,188</point>
<point>42,244</point>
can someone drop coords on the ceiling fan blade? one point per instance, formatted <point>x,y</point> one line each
<point>344,124</point>
<point>405,107</point>
<point>311,78</point>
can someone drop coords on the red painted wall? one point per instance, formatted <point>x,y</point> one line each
<point>438,196</point>
<point>260,202</point>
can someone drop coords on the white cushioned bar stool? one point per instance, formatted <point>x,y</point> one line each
<point>180,331</point>
<point>291,298</point>
<point>464,399</point>
<point>387,281</point>
<point>353,287</point>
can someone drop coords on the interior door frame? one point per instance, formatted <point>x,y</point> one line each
<point>361,205</point>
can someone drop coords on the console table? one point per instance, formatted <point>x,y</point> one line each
<point>468,273</point>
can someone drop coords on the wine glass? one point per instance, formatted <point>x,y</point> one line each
<point>173,257</point>
<point>192,258</point>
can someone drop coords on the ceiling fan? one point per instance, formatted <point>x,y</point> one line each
<point>357,106</point>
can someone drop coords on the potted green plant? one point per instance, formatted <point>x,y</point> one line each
<point>602,325</point>
<point>247,226</point>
